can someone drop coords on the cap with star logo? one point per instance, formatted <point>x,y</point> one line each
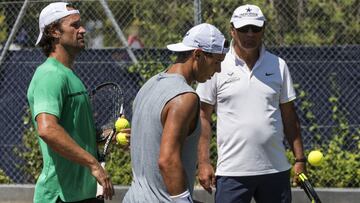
<point>247,15</point>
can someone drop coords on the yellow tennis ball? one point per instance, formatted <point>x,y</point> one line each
<point>121,123</point>
<point>121,139</point>
<point>315,158</point>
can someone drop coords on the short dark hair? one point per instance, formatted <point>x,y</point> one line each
<point>183,55</point>
<point>47,41</point>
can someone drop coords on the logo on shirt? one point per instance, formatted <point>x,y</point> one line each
<point>268,74</point>
<point>232,77</point>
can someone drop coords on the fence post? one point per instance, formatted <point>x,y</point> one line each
<point>197,12</point>
<point>118,31</point>
<point>13,32</point>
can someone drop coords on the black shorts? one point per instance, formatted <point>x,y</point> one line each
<point>91,200</point>
<point>269,188</point>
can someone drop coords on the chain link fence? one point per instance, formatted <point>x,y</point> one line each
<point>125,44</point>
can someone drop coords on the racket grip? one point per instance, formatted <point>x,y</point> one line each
<point>99,188</point>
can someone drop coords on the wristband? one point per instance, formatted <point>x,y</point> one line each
<point>303,160</point>
<point>182,198</point>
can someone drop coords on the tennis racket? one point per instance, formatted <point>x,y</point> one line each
<point>107,101</point>
<point>308,188</point>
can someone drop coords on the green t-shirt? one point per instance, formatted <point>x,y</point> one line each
<point>56,90</point>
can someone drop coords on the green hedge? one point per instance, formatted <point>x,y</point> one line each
<point>4,179</point>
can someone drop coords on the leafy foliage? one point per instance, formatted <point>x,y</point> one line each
<point>30,153</point>
<point>4,179</point>
<point>301,22</point>
<point>118,165</point>
<point>3,29</point>
<point>149,66</point>
<point>313,22</point>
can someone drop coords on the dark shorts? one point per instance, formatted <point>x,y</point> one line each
<point>92,200</point>
<point>269,188</point>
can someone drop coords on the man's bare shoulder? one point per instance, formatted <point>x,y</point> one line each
<point>187,99</point>
<point>184,106</point>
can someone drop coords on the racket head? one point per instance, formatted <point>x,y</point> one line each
<point>107,102</point>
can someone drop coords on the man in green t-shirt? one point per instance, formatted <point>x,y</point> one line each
<point>62,115</point>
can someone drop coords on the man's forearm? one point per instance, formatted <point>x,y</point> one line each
<point>292,129</point>
<point>297,147</point>
<point>293,135</point>
<point>173,174</point>
<point>204,142</point>
<point>59,141</point>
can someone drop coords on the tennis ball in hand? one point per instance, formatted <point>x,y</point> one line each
<point>315,158</point>
<point>121,123</point>
<point>121,139</point>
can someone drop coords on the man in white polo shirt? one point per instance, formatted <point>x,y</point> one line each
<point>253,98</point>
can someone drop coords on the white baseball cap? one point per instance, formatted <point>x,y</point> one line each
<point>247,15</point>
<point>52,13</point>
<point>203,36</point>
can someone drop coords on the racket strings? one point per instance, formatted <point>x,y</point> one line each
<point>107,106</point>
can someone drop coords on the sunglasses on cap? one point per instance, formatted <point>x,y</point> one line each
<point>245,29</point>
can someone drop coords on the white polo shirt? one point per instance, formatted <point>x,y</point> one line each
<point>249,124</point>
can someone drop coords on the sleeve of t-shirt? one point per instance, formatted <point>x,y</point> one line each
<point>207,91</point>
<point>287,91</point>
<point>49,94</point>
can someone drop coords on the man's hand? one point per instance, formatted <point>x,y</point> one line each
<point>206,176</point>
<point>299,167</point>
<point>103,134</point>
<point>128,135</point>
<point>104,179</point>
